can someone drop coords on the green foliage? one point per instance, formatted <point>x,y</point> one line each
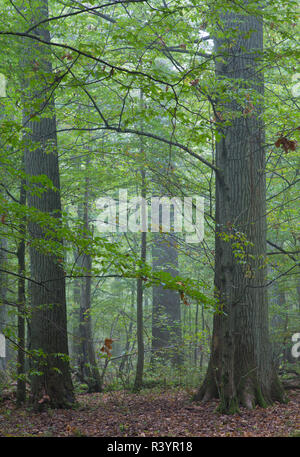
<point>100,68</point>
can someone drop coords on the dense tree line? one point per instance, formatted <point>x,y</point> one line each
<point>140,101</point>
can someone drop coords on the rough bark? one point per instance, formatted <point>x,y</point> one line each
<point>48,326</point>
<point>240,370</point>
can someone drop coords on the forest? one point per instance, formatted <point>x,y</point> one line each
<point>149,219</point>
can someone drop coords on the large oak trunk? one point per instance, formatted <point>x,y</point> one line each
<point>51,380</point>
<point>240,369</point>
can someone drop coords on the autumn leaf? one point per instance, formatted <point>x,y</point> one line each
<point>195,82</point>
<point>67,56</point>
<point>108,343</point>
<point>218,117</point>
<point>249,108</point>
<point>287,145</point>
<point>183,298</point>
<point>166,413</point>
<point>107,347</point>
<point>44,399</point>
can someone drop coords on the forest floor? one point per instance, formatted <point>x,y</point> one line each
<point>168,413</point>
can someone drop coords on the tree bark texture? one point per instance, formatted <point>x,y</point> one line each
<point>240,369</point>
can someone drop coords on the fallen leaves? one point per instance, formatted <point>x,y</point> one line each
<point>168,413</point>
<point>45,398</point>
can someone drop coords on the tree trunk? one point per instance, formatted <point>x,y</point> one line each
<point>75,315</point>
<point>279,320</point>
<point>196,335</point>
<point>3,261</point>
<point>298,294</point>
<point>51,383</point>
<point>3,290</point>
<point>128,333</point>
<point>21,383</point>
<point>139,291</point>
<point>240,370</point>
<point>139,304</point>
<point>88,369</point>
<point>166,317</point>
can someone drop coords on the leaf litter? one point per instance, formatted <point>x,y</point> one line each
<point>150,413</point>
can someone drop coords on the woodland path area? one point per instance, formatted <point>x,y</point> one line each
<point>150,413</point>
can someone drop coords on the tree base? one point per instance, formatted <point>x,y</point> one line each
<point>250,395</point>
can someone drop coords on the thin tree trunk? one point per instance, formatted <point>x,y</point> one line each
<point>279,320</point>
<point>203,326</point>
<point>139,302</point>
<point>129,334</point>
<point>21,382</point>
<point>89,372</point>
<point>3,290</point>
<point>196,335</point>
<point>3,260</point>
<point>139,292</point>
<point>75,314</point>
